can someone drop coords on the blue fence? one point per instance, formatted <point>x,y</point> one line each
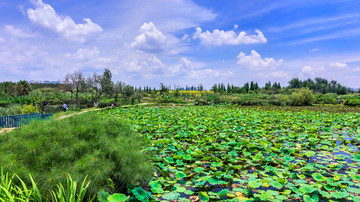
<point>22,119</point>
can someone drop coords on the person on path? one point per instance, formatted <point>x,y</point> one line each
<point>64,107</point>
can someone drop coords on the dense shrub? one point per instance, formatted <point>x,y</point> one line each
<point>10,110</point>
<point>324,99</point>
<point>83,145</point>
<point>302,97</point>
<point>353,102</point>
<point>53,109</point>
<point>102,105</point>
<point>28,109</point>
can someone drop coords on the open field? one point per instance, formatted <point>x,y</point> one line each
<point>222,152</point>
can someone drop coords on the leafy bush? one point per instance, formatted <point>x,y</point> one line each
<point>353,102</point>
<point>302,97</point>
<point>102,105</point>
<point>284,100</point>
<point>28,109</point>
<point>213,98</point>
<point>324,99</point>
<point>83,145</point>
<point>10,110</point>
<point>53,109</point>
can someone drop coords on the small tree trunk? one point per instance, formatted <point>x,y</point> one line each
<point>116,100</point>
<point>76,99</point>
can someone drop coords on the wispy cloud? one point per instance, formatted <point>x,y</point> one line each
<point>337,35</point>
<point>315,22</point>
<point>16,32</point>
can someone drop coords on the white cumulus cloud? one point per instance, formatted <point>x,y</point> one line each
<point>220,37</point>
<point>254,61</point>
<point>150,40</point>
<point>45,16</point>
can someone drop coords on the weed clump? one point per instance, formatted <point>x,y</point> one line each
<point>103,149</point>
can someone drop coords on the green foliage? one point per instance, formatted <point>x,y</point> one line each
<point>213,98</point>
<point>106,84</point>
<point>167,99</point>
<point>28,109</point>
<point>82,145</point>
<point>53,109</point>
<point>324,99</point>
<point>71,192</point>
<point>302,97</point>
<point>353,102</point>
<point>10,110</point>
<point>9,191</point>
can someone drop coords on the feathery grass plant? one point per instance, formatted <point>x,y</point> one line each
<point>83,145</point>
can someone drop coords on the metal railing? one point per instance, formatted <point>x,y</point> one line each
<point>16,121</point>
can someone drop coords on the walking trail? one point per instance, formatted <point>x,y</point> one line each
<point>6,130</point>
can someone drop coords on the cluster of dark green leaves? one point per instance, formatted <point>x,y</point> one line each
<point>222,152</point>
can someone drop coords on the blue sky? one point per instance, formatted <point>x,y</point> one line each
<point>181,42</point>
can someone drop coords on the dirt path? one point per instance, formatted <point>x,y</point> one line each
<point>5,130</point>
<point>65,116</point>
<point>136,104</point>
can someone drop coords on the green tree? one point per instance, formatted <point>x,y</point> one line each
<point>118,89</point>
<point>23,87</point>
<point>295,83</point>
<point>164,89</point>
<point>75,83</point>
<point>107,85</point>
<point>94,87</point>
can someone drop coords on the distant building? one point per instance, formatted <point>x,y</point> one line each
<point>43,82</point>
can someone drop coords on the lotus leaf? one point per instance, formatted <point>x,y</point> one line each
<point>118,198</point>
<point>304,188</point>
<point>204,196</point>
<point>171,195</point>
<point>140,194</point>
<point>180,175</point>
<point>223,193</point>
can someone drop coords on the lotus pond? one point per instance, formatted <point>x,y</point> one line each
<point>233,153</point>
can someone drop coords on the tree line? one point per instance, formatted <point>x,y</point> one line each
<point>318,85</point>
<point>101,85</point>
